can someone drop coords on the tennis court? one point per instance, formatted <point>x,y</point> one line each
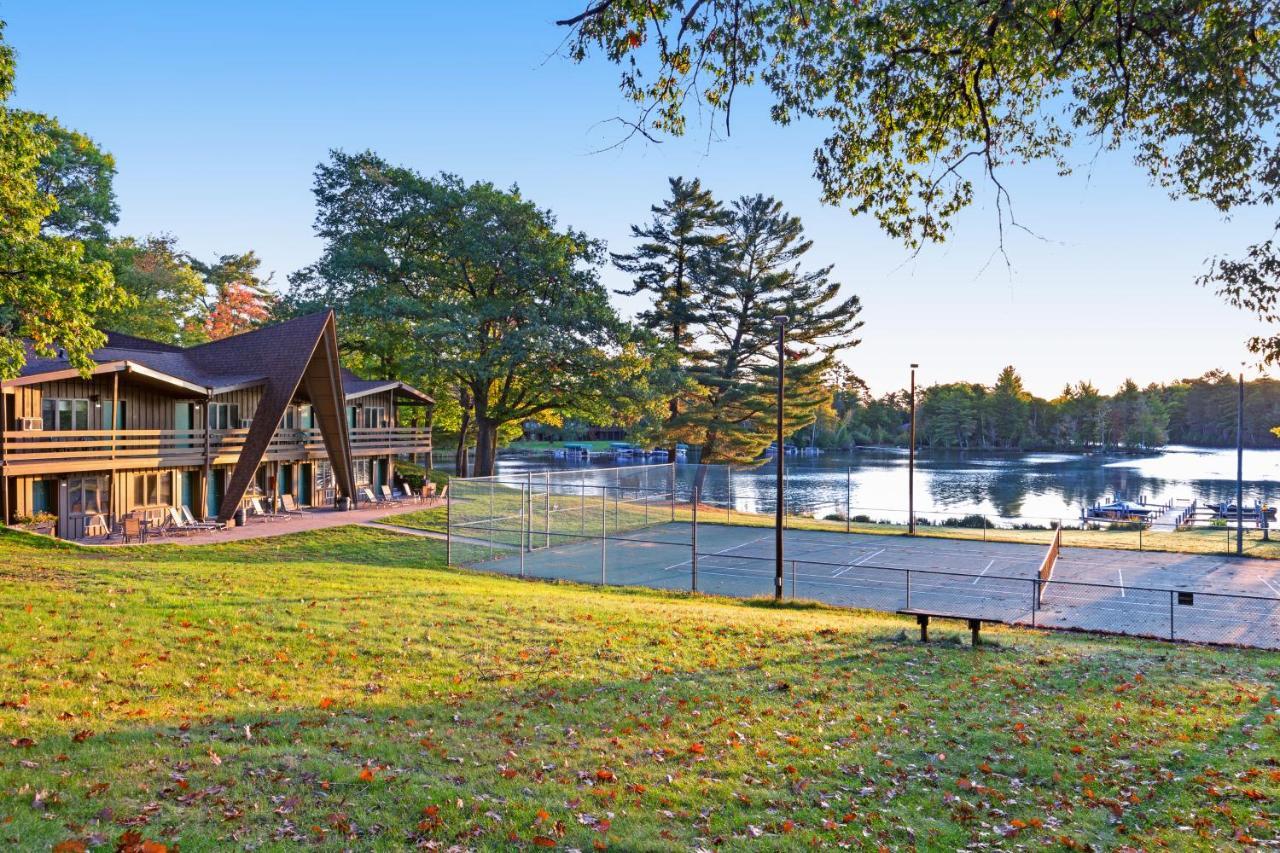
<point>1174,596</point>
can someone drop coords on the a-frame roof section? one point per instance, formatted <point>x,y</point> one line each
<point>298,357</point>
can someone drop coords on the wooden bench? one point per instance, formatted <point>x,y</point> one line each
<point>975,622</point>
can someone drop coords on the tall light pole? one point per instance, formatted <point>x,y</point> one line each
<point>1240,467</point>
<point>779,455</point>
<point>911,461</point>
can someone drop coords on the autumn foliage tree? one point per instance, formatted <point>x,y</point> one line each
<point>239,299</point>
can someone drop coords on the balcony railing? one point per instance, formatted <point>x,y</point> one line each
<point>84,450</point>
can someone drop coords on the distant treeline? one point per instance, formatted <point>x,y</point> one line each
<point>1198,411</point>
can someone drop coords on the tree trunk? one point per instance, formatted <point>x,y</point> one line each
<point>460,455</point>
<point>486,445</point>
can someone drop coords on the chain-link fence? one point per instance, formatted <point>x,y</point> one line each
<point>651,526</point>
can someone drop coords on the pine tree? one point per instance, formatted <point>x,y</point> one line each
<point>746,281</point>
<point>684,228</point>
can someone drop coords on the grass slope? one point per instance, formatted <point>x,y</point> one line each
<point>343,689</point>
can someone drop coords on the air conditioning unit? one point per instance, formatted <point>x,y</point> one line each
<point>30,424</point>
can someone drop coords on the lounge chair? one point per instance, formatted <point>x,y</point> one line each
<point>177,523</point>
<point>387,498</point>
<point>196,524</point>
<point>290,506</point>
<point>410,494</point>
<point>256,510</point>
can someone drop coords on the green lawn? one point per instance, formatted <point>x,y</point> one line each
<point>343,689</point>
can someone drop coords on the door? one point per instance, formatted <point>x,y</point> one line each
<point>183,419</point>
<point>286,480</point>
<point>380,475</point>
<point>306,478</point>
<point>217,484</point>
<point>188,488</point>
<point>42,495</point>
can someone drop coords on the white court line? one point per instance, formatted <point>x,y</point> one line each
<point>868,557</point>
<point>1121,575</point>
<point>741,545</point>
<point>857,562</point>
<point>1270,585</point>
<point>983,572</point>
<point>717,553</point>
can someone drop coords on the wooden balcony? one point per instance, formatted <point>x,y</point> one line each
<point>54,452</point>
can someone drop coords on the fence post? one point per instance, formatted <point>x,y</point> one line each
<point>793,580</point>
<point>984,527</point>
<point>908,607</point>
<point>491,520</point>
<point>546,524</point>
<point>582,505</point>
<point>448,526</point>
<point>646,495</point>
<point>728,508</point>
<point>1140,527</point>
<point>524,494</point>
<point>1035,599</point>
<point>673,490</point>
<point>1171,595</point>
<point>693,556</point>
<point>604,534</point>
<point>848,499</point>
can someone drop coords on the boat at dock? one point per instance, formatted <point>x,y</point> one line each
<point>1253,514</point>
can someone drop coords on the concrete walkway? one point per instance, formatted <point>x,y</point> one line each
<point>257,528</point>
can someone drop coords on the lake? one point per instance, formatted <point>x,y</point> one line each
<point>1032,487</point>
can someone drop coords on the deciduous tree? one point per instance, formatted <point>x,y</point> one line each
<point>501,299</point>
<point>923,104</point>
<point>50,294</point>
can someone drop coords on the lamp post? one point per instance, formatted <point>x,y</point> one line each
<point>1240,467</point>
<point>911,461</point>
<point>781,322</point>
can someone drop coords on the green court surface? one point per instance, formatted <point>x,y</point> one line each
<point>1191,597</point>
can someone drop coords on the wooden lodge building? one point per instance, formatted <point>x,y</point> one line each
<point>263,413</point>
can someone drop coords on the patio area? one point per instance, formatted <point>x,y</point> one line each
<point>258,528</point>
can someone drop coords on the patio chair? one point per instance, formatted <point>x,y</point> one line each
<point>366,495</point>
<point>387,498</point>
<point>410,494</point>
<point>290,506</point>
<point>131,527</point>
<point>196,524</point>
<point>428,491</point>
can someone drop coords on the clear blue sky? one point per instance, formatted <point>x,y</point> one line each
<point>218,113</point>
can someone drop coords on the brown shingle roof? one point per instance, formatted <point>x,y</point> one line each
<point>240,360</point>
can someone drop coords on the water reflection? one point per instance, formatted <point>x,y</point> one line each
<point>1031,486</point>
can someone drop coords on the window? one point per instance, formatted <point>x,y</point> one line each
<point>375,416</point>
<point>306,417</point>
<point>224,416</point>
<point>324,475</point>
<point>363,472</point>
<point>351,416</point>
<point>62,413</point>
<point>153,489</point>
<point>86,495</point>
